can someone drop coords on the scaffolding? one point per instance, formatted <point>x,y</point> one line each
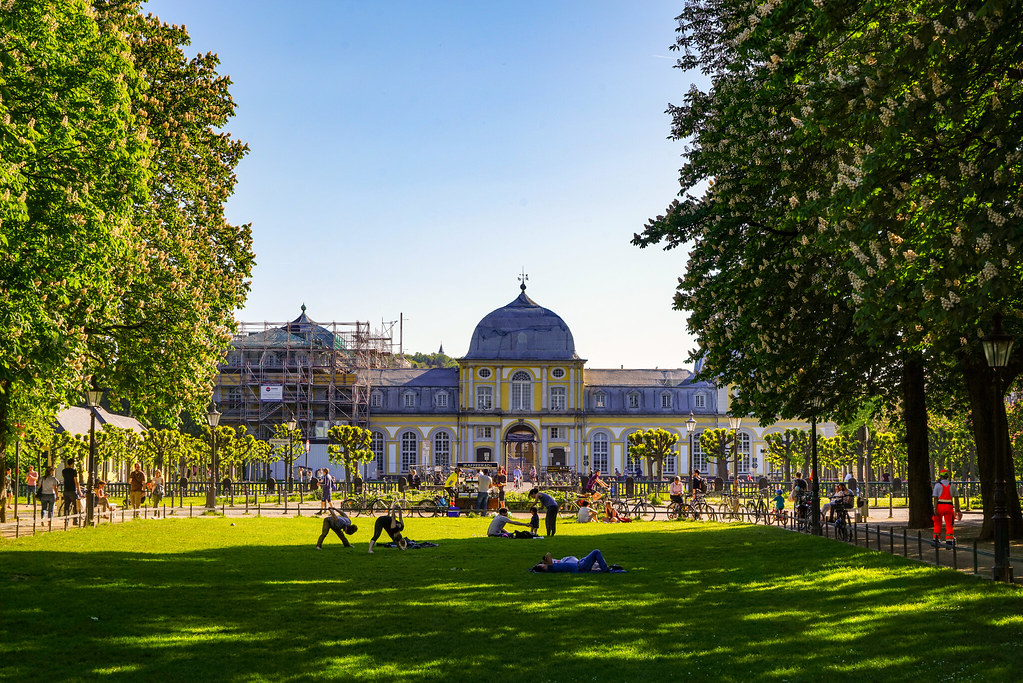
<point>316,373</point>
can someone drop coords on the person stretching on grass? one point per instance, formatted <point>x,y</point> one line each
<point>392,524</point>
<point>340,524</point>
<point>497,524</point>
<point>573,564</point>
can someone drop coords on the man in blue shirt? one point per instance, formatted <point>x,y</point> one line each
<point>545,499</point>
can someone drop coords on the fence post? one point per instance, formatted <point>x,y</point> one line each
<point>189,509</point>
<point>891,540</point>
<point>975,570</point>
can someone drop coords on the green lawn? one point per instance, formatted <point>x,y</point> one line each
<point>196,599</point>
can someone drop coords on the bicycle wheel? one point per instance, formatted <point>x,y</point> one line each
<point>351,506</point>
<point>644,511</point>
<point>377,507</point>
<point>427,508</point>
<point>569,508</point>
<point>674,511</point>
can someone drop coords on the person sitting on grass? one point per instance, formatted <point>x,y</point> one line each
<point>611,515</point>
<point>573,564</point>
<point>586,513</point>
<point>393,525</point>
<point>340,524</point>
<point>498,523</point>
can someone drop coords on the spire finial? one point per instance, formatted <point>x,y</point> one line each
<point>522,279</point>
<point>303,308</point>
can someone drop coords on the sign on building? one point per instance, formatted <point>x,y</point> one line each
<point>271,392</point>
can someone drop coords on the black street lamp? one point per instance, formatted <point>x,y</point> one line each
<point>690,428</point>
<point>213,419</point>
<point>997,349</point>
<point>291,424</point>
<point>815,483</point>
<point>92,399</point>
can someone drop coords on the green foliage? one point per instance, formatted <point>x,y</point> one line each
<point>653,445</point>
<point>349,447</point>
<point>784,448</point>
<point>431,360</point>
<point>837,451</point>
<point>716,445</point>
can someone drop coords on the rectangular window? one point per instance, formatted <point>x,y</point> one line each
<point>484,432</point>
<point>442,400</point>
<point>601,399</point>
<point>556,433</point>
<point>484,398</point>
<point>701,401</point>
<point>699,461</point>
<point>634,400</point>
<point>376,400</point>
<point>670,463</point>
<point>559,398</point>
<point>666,400</point>
<point>442,450</point>
<point>409,400</point>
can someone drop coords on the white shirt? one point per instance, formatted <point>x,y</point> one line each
<point>484,482</point>
<point>936,493</point>
<point>586,514</point>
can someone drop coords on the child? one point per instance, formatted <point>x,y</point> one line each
<point>779,504</point>
<point>534,521</point>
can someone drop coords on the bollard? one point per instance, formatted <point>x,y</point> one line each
<point>905,547</point>
<point>955,557</point>
<point>190,510</point>
<point>257,508</point>
<point>17,527</point>
<point>878,539</point>
<point>975,569</point>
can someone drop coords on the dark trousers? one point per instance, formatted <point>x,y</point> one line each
<point>551,521</point>
<point>383,525</point>
<point>329,526</point>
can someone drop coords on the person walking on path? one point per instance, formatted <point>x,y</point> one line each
<point>159,487</point>
<point>946,508</point>
<point>48,486</point>
<point>340,524</point>
<point>545,499</point>
<point>326,487</point>
<point>137,487</point>
<point>30,483</point>
<point>71,489</point>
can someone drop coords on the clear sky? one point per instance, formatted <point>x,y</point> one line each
<point>411,158</point>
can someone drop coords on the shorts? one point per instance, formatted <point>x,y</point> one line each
<point>325,493</point>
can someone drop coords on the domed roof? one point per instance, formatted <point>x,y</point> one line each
<point>522,330</point>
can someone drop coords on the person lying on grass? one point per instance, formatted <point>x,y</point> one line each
<point>498,523</point>
<point>339,523</point>
<point>592,562</point>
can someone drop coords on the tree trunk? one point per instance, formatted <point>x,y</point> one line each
<point>991,434</point>
<point>915,416</point>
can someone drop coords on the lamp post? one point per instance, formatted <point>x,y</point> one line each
<point>815,483</point>
<point>213,419</point>
<point>92,399</point>
<point>734,423</point>
<point>290,424</point>
<point>16,484</point>
<point>690,428</point>
<point>997,349</point>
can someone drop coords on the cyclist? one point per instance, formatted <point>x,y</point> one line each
<point>677,490</point>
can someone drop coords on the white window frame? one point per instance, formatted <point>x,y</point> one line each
<point>558,373</point>
<point>441,399</point>
<point>600,452</point>
<point>559,399</point>
<point>376,399</point>
<point>700,401</point>
<point>600,399</point>
<point>484,398</point>
<point>408,399</point>
<point>376,444</point>
<point>409,451</point>
<point>666,400</point>
<point>484,432</point>
<point>699,459</point>
<point>555,433</point>
<point>745,459</point>
<point>632,400</point>
<point>521,391</point>
<point>484,373</point>
<point>442,449</point>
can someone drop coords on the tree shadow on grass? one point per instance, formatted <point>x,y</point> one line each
<point>700,600</point>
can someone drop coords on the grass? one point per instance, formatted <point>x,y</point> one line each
<point>199,598</point>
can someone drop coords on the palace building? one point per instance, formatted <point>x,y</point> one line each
<point>520,396</point>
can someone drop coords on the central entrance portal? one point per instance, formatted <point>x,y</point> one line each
<point>520,449</point>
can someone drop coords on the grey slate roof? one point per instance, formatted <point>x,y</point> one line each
<point>76,420</point>
<point>522,330</point>
<point>638,378</point>
<point>408,377</point>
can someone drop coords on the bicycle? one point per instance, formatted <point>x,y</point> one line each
<point>635,509</point>
<point>370,504</point>
<point>430,506</point>
<point>757,508</point>
<point>842,521</point>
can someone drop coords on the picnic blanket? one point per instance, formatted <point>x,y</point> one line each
<point>411,545</point>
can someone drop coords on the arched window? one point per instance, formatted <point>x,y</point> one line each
<point>376,444</point>
<point>745,462</point>
<point>521,391</point>
<point>409,450</point>
<point>699,461</point>
<point>442,449</point>
<point>601,450</point>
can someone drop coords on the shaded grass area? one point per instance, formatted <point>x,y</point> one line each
<point>199,598</point>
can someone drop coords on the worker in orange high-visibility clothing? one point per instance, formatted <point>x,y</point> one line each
<point>946,508</point>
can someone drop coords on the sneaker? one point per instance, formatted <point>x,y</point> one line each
<point>615,567</point>
<point>319,548</point>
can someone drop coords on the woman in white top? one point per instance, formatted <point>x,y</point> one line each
<point>159,488</point>
<point>48,486</point>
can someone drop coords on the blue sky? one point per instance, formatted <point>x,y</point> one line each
<point>411,158</point>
